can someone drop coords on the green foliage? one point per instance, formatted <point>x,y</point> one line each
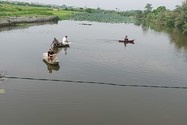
<point>63,14</point>
<point>101,17</point>
<point>159,17</point>
<point>89,10</point>
<point>21,9</point>
<point>162,17</point>
<point>16,10</point>
<point>185,28</point>
<point>148,8</point>
<point>108,16</point>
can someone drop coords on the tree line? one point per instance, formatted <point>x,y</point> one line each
<point>162,17</point>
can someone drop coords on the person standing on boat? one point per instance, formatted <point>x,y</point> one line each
<point>50,55</point>
<point>65,40</point>
<point>126,38</point>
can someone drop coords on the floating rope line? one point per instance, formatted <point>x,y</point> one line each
<point>100,83</point>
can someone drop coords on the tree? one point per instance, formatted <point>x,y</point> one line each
<point>148,8</point>
<point>181,16</point>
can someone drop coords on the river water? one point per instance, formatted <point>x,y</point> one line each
<point>98,81</point>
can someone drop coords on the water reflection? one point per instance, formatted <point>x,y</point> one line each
<point>146,27</point>
<point>56,50</point>
<point>178,39</point>
<point>128,42</point>
<point>7,28</point>
<point>65,50</point>
<point>2,78</point>
<point>52,68</point>
<point>2,91</point>
<point>176,36</point>
<point>2,74</point>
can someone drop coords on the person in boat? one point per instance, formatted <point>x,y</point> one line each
<point>55,42</point>
<point>50,55</point>
<point>65,40</point>
<point>126,38</point>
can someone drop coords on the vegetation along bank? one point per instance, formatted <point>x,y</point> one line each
<point>13,13</point>
<point>160,18</point>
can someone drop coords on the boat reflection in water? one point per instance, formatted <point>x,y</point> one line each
<point>2,78</point>
<point>58,49</point>
<point>65,50</point>
<point>52,68</point>
<point>2,91</point>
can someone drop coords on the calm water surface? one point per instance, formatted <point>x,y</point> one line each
<point>99,81</point>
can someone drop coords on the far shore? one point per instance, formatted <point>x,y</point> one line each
<point>12,21</point>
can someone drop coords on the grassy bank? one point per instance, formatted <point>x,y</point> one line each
<point>12,10</point>
<point>8,9</point>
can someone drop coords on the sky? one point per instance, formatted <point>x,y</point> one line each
<point>121,5</point>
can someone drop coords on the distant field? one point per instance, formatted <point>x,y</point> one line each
<point>7,10</point>
<point>98,15</point>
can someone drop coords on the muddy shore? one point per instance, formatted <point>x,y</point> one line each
<point>12,21</point>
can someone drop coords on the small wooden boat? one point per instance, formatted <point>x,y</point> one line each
<point>127,41</point>
<point>61,45</point>
<point>55,60</point>
<point>56,43</point>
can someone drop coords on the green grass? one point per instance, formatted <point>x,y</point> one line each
<point>8,10</point>
<point>12,10</point>
<point>62,14</point>
<point>16,10</point>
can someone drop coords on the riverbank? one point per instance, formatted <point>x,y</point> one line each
<point>12,21</point>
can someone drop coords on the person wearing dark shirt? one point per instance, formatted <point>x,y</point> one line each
<point>50,55</point>
<point>126,38</point>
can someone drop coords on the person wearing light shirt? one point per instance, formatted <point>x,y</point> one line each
<point>64,40</point>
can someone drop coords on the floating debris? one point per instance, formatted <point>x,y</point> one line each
<point>2,91</point>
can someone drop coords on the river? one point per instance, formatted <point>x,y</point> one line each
<point>99,81</point>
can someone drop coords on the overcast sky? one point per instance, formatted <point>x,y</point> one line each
<point>112,4</point>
